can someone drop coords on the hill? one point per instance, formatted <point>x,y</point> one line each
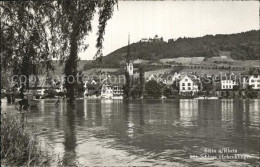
<point>242,46</point>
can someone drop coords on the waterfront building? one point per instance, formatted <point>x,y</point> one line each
<point>91,91</point>
<point>110,91</point>
<point>229,81</point>
<point>45,84</point>
<point>188,84</point>
<point>106,91</point>
<point>254,79</point>
<point>228,84</point>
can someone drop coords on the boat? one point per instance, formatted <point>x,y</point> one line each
<point>213,97</point>
<point>117,97</point>
<point>33,102</point>
<point>204,97</point>
<point>106,97</point>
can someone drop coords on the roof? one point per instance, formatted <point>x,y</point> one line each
<point>113,84</point>
<point>256,72</point>
<point>91,92</point>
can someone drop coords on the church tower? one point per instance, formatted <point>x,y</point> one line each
<point>129,62</point>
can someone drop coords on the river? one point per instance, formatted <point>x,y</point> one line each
<point>149,132</point>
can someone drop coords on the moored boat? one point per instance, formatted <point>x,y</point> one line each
<point>204,97</point>
<point>117,97</point>
<point>33,102</point>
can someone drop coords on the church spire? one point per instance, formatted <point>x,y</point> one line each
<point>129,63</point>
<point>128,56</point>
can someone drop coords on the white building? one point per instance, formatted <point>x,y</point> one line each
<point>176,76</point>
<point>118,90</point>
<point>186,84</point>
<point>254,80</point>
<point>111,91</point>
<point>228,84</point>
<point>106,91</point>
<point>144,40</point>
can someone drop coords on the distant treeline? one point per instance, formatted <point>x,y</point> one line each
<point>243,46</point>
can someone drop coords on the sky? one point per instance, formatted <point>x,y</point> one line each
<point>172,19</point>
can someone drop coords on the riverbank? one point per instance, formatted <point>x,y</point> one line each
<point>19,147</point>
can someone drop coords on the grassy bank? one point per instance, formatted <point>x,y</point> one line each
<point>18,146</point>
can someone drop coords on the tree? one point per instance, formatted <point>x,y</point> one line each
<point>236,87</point>
<point>142,81</point>
<point>80,84</point>
<point>153,89</point>
<point>127,86</point>
<point>26,40</point>
<point>250,92</point>
<point>175,85</point>
<point>74,21</point>
<point>168,91</point>
<point>207,85</point>
<point>136,91</point>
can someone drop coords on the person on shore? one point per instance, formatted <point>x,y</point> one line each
<point>24,102</point>
<point>57,102</point>
<point>21,90</point>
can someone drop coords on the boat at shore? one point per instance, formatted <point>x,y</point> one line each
<point>33,102</point>
<point>112,97</point>
<point>205,97</point>
<point>117,97</point>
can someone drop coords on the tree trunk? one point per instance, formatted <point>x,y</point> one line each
<point>71,70</point>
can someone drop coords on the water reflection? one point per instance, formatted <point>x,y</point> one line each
<point>189,111</point>
<point>148,132</point>
<point>129,121</point>
<point>69,158</point>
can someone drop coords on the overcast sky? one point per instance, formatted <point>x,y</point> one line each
<point>173,19</point>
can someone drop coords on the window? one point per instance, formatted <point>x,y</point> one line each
<point>189,84</point>
<point>183,84</point>
<point>252,80</point>
<point>189,88</point>
<point>258,85</point>
<point>224,86</point>
<point>183,88</point>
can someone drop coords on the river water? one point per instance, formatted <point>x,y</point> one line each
<point>150,132</point>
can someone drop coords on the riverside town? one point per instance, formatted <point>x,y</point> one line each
<point>130,83</point>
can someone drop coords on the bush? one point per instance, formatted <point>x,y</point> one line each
<point>153,89</point>
<point>168,92</point>
<point>18,147</point>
